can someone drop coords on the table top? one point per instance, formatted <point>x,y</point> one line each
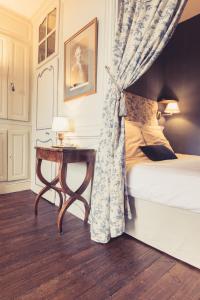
<point>64,149</point>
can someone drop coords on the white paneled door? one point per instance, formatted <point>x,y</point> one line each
<point>3,155</point>
<point>18,81</point>
<point>3,76</point>
<point>18,154</point>
<point>46,98</point>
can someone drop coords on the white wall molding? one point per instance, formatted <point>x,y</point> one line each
<point>15,25</point>
<point>14,123</point>
<point>16,186</point>
<point>89,129</point>
<point>111,13</point>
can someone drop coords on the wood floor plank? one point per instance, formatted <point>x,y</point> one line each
<point>91,268</point>
<point>38,263</point>
<point>142,282</point>
<point>171,282</point>
<point>117,276</point>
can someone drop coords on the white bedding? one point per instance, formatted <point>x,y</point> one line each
<point>171,182</point>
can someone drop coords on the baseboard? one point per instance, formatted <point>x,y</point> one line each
<point>14,186</point>
<point>76,210</point>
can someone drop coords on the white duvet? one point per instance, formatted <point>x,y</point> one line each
<point>171,182</point>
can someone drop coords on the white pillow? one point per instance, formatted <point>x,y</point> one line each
<point>153,135</point>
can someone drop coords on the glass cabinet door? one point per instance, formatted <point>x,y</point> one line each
<point>51,42</point>
<point>47,36</point>
<point>51,21</point>
<point>42,30</point>
<point>41,52</point>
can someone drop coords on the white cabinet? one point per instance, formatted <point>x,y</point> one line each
<point>46,98</point>
<point>14,79</point>
<point>44,108</point>
<point>15,127</point>
<point>14,154</point>
<point>3,155</point>
<point>18,82</point>
<point>45,90</point>
<point>18,154</point>
<point>3,77</point>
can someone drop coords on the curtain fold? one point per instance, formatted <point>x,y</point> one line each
<point>144,28</point>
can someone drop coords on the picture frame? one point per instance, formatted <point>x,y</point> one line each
<point>80,62</point>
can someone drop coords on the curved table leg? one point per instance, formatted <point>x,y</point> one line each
<point>65,206</point>
<point>48,186</point>
<point>37,199</point>
<point>61,200</point>
<point>74,195</point>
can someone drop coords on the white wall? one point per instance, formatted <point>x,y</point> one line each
<point>85,111</point>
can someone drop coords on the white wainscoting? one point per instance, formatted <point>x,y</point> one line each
<point>15,186</point>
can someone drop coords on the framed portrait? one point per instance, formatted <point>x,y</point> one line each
<point>80,64</point>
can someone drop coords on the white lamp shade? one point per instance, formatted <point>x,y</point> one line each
<point>60,124</point>
<point>172,108</point>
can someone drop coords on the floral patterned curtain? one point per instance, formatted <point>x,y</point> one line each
<point>144,28</point>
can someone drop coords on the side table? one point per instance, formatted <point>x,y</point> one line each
<point>63,156</point>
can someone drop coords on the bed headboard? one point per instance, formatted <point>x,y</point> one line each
<point>141,109</point>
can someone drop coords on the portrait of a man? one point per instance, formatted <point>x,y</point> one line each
<point>79,65</point>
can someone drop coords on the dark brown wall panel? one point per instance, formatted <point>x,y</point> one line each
<point>176,74</point>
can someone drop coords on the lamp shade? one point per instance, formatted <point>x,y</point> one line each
<point>172,108</point>
<point>60,124</point>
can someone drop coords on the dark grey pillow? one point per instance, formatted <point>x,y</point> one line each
<point>158,152</point>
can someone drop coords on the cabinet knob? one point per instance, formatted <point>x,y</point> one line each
<point>47,133</point>
<point>12,86</point>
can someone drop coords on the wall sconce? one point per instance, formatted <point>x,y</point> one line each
<point>171,107</point>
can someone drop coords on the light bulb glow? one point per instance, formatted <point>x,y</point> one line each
<point>172,108</point>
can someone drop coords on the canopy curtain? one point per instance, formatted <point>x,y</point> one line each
<point>144,28</point>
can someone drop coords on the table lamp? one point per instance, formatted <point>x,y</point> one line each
<point>60,125</point>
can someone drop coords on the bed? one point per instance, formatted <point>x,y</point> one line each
<point>165,206</point>
<point>164,195</point>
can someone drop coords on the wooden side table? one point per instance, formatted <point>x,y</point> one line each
<point>63,156</point>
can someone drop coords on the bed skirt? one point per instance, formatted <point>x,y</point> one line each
<point>171,230</point>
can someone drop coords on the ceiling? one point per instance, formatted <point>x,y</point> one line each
<point>26,8</point>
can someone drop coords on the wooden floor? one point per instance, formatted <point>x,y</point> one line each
<point>36,263</point>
